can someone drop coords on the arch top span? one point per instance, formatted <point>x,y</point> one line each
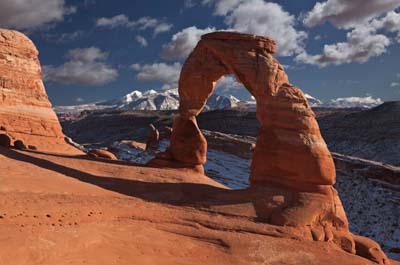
<point>248,57</point>
<point>257,41</point>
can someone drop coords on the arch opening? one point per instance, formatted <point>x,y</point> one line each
<point>228,86</point>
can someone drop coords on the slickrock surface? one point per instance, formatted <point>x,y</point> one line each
<point>25,111</point>
<point>73,210</point>
<point>370,199</point>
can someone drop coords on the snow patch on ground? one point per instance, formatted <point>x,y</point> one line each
<point>228,169</point>
<point>372,208</point>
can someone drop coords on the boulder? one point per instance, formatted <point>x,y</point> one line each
<point>153,136</point>
<point>136,145</point>
<point>5,140</point>
<point>32,147</point>
<point>25,109</point>
<point>19,144</point>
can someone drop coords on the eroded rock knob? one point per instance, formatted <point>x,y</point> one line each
<point>5,140</point>
<point>100,153</point>
<point>20,145</point>
<point>153,137</point>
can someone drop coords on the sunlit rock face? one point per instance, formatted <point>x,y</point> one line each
<point>288,127</point>
<point>292,170</point>
<point>25,111</point>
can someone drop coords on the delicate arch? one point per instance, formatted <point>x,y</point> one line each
<point>290,150</point>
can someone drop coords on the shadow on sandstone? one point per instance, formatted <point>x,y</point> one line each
<point>270,204</point>
<point>84,157</point>
<point>189,194</point>
<point>179,194</point>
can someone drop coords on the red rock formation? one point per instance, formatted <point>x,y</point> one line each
<point>153,136</point>
<point>100,153</point>
<point>20,145</point>
<point>5,140</point>
<point>66,210</point>
<point>136,145</point>
<point>25,111</point>
<point>290,157</point>
<point>288,126</point>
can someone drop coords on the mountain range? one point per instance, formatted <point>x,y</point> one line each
<point>150,100</point>
<point>169,100</point>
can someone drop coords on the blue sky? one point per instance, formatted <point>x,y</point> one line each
<point>96,49</point>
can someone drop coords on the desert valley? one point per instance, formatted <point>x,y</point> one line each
<point>190,174</point>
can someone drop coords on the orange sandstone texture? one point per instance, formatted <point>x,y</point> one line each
<point>290,159</point>
<point>71,210</point>
<point>25,111</point>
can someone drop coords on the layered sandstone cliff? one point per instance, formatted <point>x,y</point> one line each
<point>25,110</point>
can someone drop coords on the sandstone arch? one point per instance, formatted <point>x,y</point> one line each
<point>288,127</point>
<point>291,163</point>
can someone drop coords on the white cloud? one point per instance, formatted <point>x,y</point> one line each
<point>79,100</point>
<point>222,7</point>
<point>362,44</point>
<point>390,22</point>
<point>262,18</point>
<point>168,74</point>
<point>136,66</point>
<point>33,14</point>
<point>64,37</point>
<point>162,27</point>
<point>87,54</point>
<point>366,37</point>
<point>228,84</point>
<point>85,67</point>
<point>183,42</point>
<point>251,16</point>
<point>141,40</point>
<point>317,37</point>
<point>395,84</point>
<point>116,21</point>
<point>142,23</point>
<point>348,13</point>
<point>189,3</point>
<point>352,102</point>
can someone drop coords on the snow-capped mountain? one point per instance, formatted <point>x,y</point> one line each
<point>353,102</point>
<point>342,103</point>
<point>150,100</point>
<point>169,100</point>
<point>222,102</point>
<point>314,102</point>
